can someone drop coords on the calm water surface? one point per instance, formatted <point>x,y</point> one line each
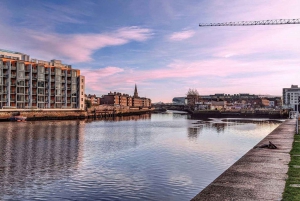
<point>151,157</point>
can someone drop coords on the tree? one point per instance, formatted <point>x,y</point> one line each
<point>192,92</point>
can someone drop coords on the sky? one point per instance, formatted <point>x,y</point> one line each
<point>159,45</point>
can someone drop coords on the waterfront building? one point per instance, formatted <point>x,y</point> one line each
<point>291,97</point>
<point>179,100</point>
<point>117,98</point>
<point>35,84</point>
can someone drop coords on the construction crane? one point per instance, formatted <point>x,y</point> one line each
<point>250,23</point>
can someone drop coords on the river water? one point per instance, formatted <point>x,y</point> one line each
<point>148,157</point>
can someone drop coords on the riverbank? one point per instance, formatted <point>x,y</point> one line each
<point>260,174</point>
<point>240,114</point>
<point>292,186</point>
<point>67,114</point>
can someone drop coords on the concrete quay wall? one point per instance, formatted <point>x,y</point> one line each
<point>260,174</point>
<point>52,114</point>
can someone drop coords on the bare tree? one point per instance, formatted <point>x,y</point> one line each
<point>193,92</point>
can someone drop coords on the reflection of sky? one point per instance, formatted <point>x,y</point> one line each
<point>167,157</point>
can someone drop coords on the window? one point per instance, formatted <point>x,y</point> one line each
<point>41,84</point>
<point>81,99</point>
<point>21,75</point>
<point>41,91</point>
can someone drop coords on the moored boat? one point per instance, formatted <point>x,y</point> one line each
<point>18,118</point>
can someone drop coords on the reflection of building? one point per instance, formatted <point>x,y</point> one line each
<point>26,83</point>
<point>37,152</point>
<point>116,98</point>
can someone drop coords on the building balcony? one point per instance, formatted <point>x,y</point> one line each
<point>68,95</point>
<point>52,101</point>
<point>3,99</point>
<point>34,86</point>
<point>52,80</point>
<point>3,92</point>
<point>52,87</point>
<point>12,100</point>
<point>52,73</point>
<point>69,75</point>
<point>13,68</point>
<point>63,74</point>
<point>68,88</point>
<point>5,67</point>
<point>63,81</point>
<point>68,101</point>
<point>33,93</point>
<point>13,84</point>
<point>33,100</point>
<point>34,71</point>
<point>69,82</point>
<point>53,94</point>
<point>34,78</point>
<point>27,70</point>
<point>46,72</point>
<point>27,77</point>
<point>13,76</point>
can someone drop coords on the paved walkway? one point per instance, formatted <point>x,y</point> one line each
<point>260,174</point>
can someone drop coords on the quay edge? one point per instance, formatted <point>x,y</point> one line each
<point>260,174</point>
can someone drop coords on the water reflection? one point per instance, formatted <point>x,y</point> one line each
<point>122,118</point>
<point>36,153</point>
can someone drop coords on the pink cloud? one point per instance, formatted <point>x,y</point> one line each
<point>178,36</point>
<point>76,47</point>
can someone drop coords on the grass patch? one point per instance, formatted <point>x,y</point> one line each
<point>293,193</point>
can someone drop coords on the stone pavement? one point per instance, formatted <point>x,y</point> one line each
<point>260,174</point>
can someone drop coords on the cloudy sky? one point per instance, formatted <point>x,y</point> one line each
<point>158,44</point>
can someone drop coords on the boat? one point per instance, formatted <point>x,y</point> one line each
<point>17,118</point>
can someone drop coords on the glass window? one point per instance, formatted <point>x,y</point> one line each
<point>58,71</point>
<point>20,97</point>
<point>20,83</point>
<point>58,92</point>
<point>21,67</point>
<point>41,84</point>
<point>41,91</point>
<point>74,73</point>
<point>41,69</point>
<point>20,90</point>
<point>21,75</point>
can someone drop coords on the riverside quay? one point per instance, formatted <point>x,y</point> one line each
<point>34,84</point>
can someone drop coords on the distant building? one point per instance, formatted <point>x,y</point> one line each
<point>36,84</point>
<point>179,100</point>
<point>117,98</point>
<point>290,97</point>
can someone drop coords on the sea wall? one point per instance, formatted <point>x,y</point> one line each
<point>260,174</point>
<point>52,114</point>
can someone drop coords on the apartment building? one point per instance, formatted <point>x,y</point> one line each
<point>291,96</point>
<point>36,84</point>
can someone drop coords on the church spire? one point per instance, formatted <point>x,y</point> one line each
<point>135,92</point>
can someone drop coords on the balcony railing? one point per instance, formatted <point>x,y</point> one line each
<point>13,68</point>
<point>52,73</point>
<point>13,84</point>
<point>34,70</point>
<point>63,81</point>
<point>34,86</point>
<point>63,74</point>
<point>52,101</point>
<point>33,100</point>
<point>69,75</point>
<point>13,76</point>
<point>34,78</point>
<point>12,100</point>
<point>52,80</point>
<point>5,67</point>
<point>52,87</point>
<point>68,88</point>
<point>27,70</point>
<point>46,72</point>
<point>27,77</point>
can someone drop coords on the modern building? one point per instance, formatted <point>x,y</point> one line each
<point>291,97</point>
<point>35,84</point>
<point>179,101</point>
